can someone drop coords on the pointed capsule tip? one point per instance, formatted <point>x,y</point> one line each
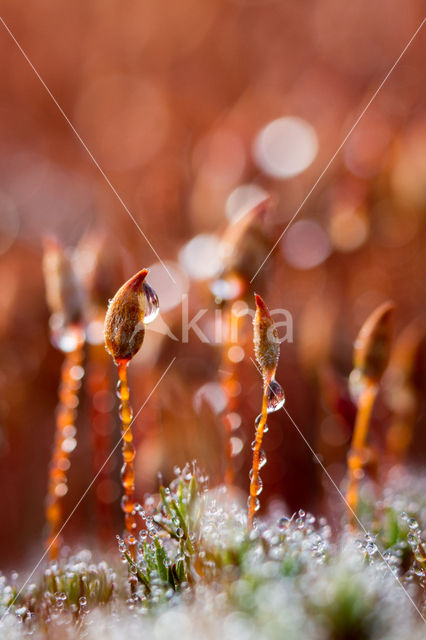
<point>136,280</point>
<point>385,308</point>
<point>259,301</point>
<point>261,305</point>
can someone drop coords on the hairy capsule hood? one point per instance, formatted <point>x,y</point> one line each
<point>372,345</point>
<point>124,328</point>
<point>265,338</point>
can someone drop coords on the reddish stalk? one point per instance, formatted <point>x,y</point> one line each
<point>63,446</point>
<point>229,386</point>
<point>371,356</point>
<point>255,485</point>
<point>358,452</point>
<point>128,449</point>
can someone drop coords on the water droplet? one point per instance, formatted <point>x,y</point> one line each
<point>256,423</point>
<point>276,397</point>
<point>413,524</point>
<point>262,459</point>
<point>256,503</point>
<point>259,486</point>
<point>284,523</point>
<point>125,413</point>
<point>151,304</point>
<point>122,390</point>
<point>179,532</point>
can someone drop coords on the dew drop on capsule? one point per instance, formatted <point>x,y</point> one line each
<point>152,306</point>
<point>276,397</point>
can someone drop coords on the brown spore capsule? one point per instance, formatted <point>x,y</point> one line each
<point>124,329</point>
<point>265,339</point>
<point>372,345</point>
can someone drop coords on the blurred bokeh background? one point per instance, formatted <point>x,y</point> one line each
<point>196,112</point>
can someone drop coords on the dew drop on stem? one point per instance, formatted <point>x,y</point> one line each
<point>262,459</point>
<point>276,397</point>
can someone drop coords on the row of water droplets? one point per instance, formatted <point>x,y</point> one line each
<point>275,402</point>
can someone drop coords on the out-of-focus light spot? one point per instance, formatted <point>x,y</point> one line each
<point>213,394</point>
<point>76,372</point>
<point>236,353</point>
<point>305,245</point>
<point>234,420</point>
<point>9,223</point>
<point>48,198</point>
<point>159,280</point>
<point>243,199</point>
<point>240,308</point>
<point>95,332</point>
<point>61,489</point>
<point>64,464</point>
<point>236,445</point>
<point>227,288</point>
<point>68,445</point>
<point>69,431</point>
<point>348,230</point>
<point>200,257</point>
<point>285,147</point>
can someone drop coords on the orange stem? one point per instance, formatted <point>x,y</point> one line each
<point>129,452</point>
<point>231,325</point>
<point>65,432</point>
<point>254,481</point>
<point>356,456</point>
